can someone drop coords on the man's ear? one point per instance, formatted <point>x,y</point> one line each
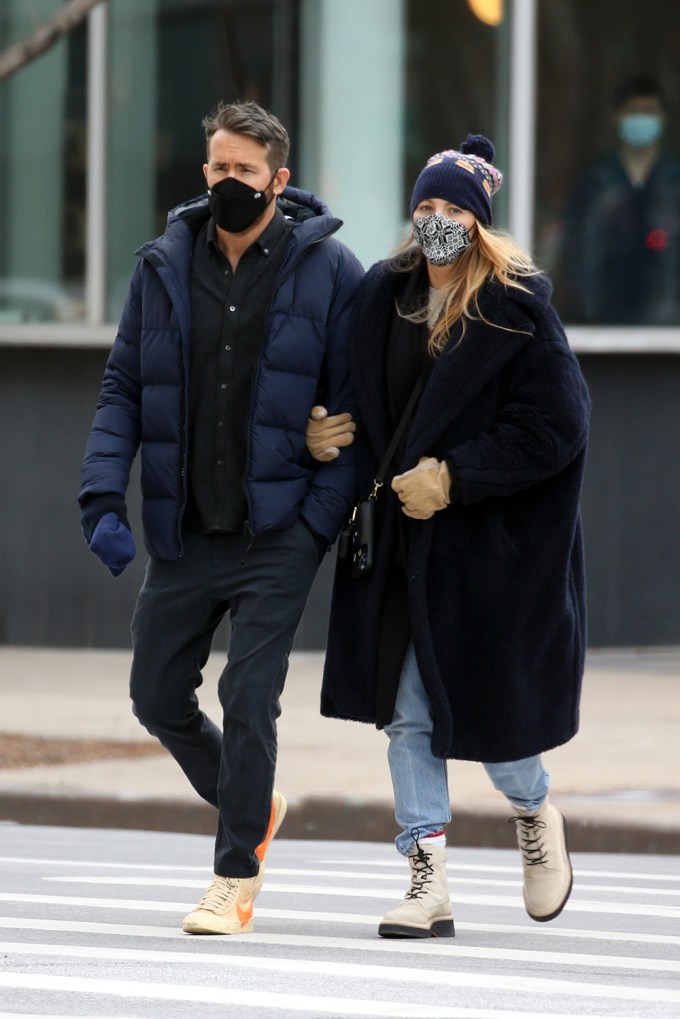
<point>205,172</point>
<point>281,179</point>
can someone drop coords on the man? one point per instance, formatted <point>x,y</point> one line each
<point>235,322</point>
<point>620,262</point>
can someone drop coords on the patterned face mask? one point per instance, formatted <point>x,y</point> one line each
<point>442,240</point>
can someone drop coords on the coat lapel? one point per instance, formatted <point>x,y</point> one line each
<point>464,368</point>
<point>371,332</point>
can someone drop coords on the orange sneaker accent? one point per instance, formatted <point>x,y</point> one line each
<point>262,848</point>
<point>244,915</point>
<point>278,812</point>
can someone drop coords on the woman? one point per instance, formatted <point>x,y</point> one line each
<point>466,638</point>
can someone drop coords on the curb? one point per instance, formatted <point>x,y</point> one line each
<point>319,818</point>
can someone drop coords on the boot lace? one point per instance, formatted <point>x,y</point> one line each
<point>220,895</point>
<point>531,846</point>
<point>422,871</point>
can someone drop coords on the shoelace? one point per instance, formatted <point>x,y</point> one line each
<point>423,872</point>
<point>531,847</point>
<point>221,893</point>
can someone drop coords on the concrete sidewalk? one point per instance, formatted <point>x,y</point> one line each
<point>618,781</point>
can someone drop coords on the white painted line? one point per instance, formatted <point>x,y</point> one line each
<point>35,861</point>
<point>311,942</point>
<point>260,999</point>
<point>162,882</point>
<point>529,929</point>
<point>487,868</point>
<point>353,971</point>
<point>574,905</point>
<point>397,864</point>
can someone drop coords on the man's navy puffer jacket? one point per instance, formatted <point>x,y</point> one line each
<point>303,360</point>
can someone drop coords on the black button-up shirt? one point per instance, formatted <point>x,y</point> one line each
<point>228,315</point>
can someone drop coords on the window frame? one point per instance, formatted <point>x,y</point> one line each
<point>96,330</point>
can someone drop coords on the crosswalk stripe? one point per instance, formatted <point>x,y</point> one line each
<point>342,970</point>
<point>508,902</point>
<point>146,931</point>
<point>260,999</point>
<point>347,865</point>
<point>163,882</point>
<point>434,947</point>
<point>575,906</point>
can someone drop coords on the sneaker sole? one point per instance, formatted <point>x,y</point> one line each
<point>258,880</point>
<point>200,928</point>
<point>437,929</point>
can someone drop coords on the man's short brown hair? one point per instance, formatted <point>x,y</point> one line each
<point>250,119</point>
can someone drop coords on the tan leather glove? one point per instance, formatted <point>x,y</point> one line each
<point>325,436</point>
<point>424,489</point>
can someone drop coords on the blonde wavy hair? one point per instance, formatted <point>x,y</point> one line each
<point>491,255</point>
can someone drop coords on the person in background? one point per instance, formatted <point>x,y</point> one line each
<point>466,639</point>
<point>236,319</point>
<point>620,258</point>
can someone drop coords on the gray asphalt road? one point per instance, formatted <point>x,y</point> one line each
<point>89,926</point>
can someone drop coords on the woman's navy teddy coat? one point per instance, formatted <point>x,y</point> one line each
<point>495,581</point>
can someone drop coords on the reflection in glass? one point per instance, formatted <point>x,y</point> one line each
<point>607,173</point>
<point>42,175</point>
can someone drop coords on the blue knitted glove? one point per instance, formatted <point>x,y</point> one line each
<point>113,543</point>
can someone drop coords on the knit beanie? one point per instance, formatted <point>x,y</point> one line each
<point>464,177</point>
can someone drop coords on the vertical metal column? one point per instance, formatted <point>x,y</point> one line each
<point>95,243</point>
<point>522,121</point>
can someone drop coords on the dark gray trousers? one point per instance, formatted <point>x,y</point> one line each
<point>263,584</point>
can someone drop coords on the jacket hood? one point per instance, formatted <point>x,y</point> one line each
<point>294,203</point>
<point>312,222</point>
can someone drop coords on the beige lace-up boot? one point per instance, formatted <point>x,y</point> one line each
<point>426,909</point>
<point>226,908</point>
<point>542,840</point>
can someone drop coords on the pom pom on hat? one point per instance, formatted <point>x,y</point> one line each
<point>462,176</point>
<point>478,145</point>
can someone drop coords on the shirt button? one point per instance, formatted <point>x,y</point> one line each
<point>219,463</point>
<point>232,308</point>
<point>265,251</point>
<point>227,347</point>
<point>224,385</point>
<point>220,424</point>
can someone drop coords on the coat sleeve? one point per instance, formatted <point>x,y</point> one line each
<point>115,433</point>
<point>541,426</point>
<point>333,490</point>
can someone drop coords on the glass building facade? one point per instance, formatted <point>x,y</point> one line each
<point>101,136</point>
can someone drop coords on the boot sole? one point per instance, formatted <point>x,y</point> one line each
<point>437,929</point>
<point>556,912</point>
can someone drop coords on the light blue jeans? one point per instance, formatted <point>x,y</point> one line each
<point>420,780</point>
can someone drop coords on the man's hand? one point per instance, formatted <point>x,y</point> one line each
<point>325,436</point>
<point>424,489</point>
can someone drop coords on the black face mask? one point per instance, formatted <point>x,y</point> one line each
<point>235,206</point>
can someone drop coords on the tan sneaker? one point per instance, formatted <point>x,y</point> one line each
<point>279,807</point>
<point>426,909</point>
<point>542,840</point>
<point>226,908</point>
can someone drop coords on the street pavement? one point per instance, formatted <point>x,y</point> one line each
<point>618,781</point>
<point>90,926</point>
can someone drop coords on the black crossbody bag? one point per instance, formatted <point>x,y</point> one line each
<point>356,541</point>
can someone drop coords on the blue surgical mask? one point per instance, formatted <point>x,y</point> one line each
<point>640,129</point>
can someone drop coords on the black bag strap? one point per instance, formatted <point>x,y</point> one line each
<point>379,479</point>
